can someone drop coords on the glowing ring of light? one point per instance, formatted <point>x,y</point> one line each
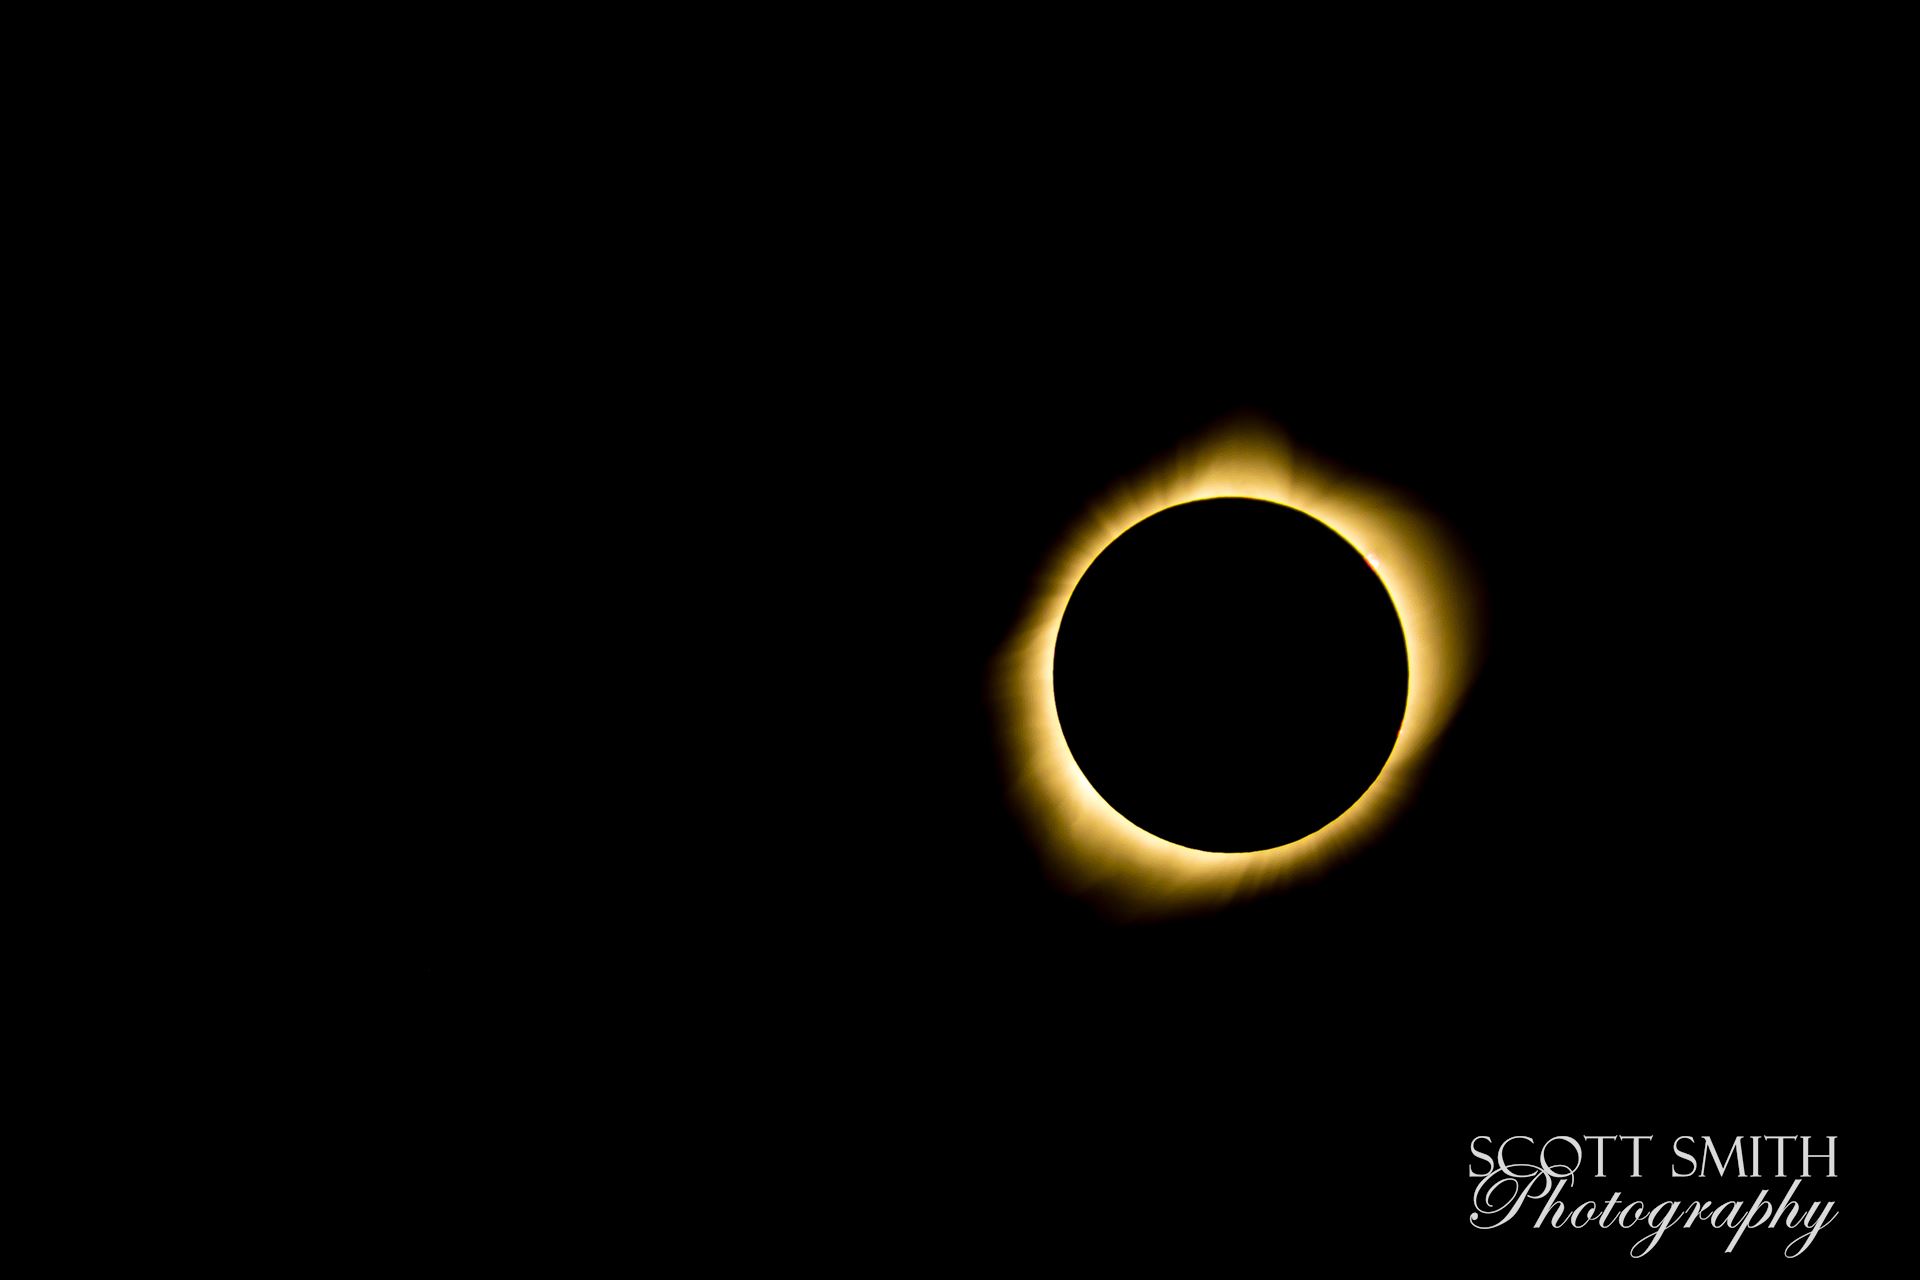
<point>1089,848</point>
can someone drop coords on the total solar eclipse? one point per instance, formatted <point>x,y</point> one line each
<point>1230,674</point>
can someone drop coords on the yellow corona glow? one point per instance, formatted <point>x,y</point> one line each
<point>1089,848</point>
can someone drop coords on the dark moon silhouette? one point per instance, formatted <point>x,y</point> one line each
<point>1230,674</point>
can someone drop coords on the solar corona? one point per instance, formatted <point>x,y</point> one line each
<point>1207,574</point>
